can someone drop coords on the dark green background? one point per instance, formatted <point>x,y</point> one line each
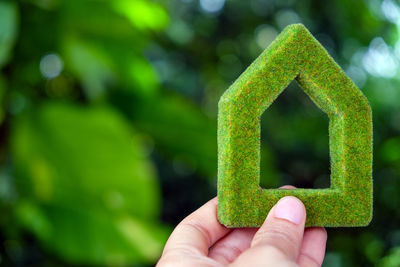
<point>108,120</point>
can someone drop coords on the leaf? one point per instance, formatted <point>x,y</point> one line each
<point>91,65</point>
<point>87,186</point>
<point>392,259</point>
<point>181,130</point>
<point>142,14</point>
<point>3,88</point>
<point>390,150</point>
<point>142,75</point>
<point>8,29</point>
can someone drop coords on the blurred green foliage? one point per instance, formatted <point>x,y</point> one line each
<point>87,187</point>
<point>108,120</point>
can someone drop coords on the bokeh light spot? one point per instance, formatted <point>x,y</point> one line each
<point>379,60</point>
<point>391,11</point>
<point>180,32</point>
<point>357,75</point>
<point>212,6</point>
<point>51,66</point>
<point>264,35</point>
<point>285,17</point>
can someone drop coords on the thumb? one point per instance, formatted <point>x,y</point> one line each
<point>278,241</point>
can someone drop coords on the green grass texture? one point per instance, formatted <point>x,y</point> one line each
<point>295,54</point>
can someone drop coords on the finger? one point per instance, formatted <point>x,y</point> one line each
<point>313,247</point>
<point>287,187</point>
<point>283,227</point>
<point>232,245</point>
<point>280,237</point>
<point>197,232</point>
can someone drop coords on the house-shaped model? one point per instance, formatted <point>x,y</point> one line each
<point>295,54</point>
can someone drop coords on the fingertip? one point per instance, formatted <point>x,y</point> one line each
<point>291,209</point>
<point>316,234</point>
<point>287,187</point>
<point>313,247</point>
<point>283,228</point>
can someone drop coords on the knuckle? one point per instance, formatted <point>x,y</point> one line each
<point>178,250</point>
<point>195,227</point>
<point>285,240</point>
<point>227,253</point>
<point>306,260</point>
<point>276,233</point>
<point>269,249</point>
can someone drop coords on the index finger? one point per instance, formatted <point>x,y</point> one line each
<point>197,232</point>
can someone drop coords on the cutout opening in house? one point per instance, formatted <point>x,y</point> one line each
<point>294,142</point>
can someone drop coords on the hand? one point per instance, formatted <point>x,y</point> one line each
<point>200,240</point>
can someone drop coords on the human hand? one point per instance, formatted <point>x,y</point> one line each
<point>200,240</point>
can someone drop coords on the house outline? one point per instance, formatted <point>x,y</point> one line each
<point>295,55</point>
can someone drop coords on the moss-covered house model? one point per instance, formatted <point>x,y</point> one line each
<point>295,54</point>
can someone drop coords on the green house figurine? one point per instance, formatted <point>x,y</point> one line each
<point>295,54</point>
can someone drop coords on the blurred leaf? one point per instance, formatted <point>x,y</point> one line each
<point>86,182</point>
<point>90,64</point>
<point>391,260</point>
<point>181,130</point>
<point>33,218</point>
<point>372,245</point>
<point>3,88</point>
<point>390,150</point>
<point>8,29</point>
<point>93,19</point>
<point>100,66</point>
<point>142,14</point>
<point>268,170</point>
<point>143,76</point>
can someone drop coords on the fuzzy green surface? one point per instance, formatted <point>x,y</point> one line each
<point>295,54</point>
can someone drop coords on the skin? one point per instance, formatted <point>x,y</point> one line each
<point>283,240</point>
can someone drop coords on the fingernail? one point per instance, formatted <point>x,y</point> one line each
<point>291,209</point>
